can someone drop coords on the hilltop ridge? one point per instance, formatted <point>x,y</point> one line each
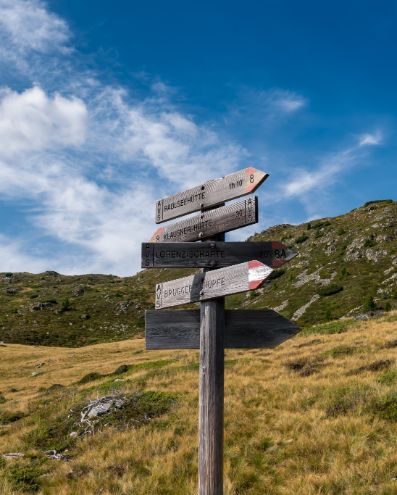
<point>347,265</point>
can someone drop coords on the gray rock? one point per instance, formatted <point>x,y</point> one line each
<point>13,455</point>
<point>101,406</point>
<point>78,291</point>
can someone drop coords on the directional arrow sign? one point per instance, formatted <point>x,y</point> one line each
<point>243,329</point>
<point>210,254</point>
<point>209,194</point>
<point>210,223</point>
<point>210,285</point>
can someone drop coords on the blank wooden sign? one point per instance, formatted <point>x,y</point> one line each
<point>210,193</point>
<point>210,285</point>
<point>244,329</point>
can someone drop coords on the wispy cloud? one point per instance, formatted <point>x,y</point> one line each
<point>371,139</point>
<point>331,170</point>
<point>91,157</point>
<point>283,101</point>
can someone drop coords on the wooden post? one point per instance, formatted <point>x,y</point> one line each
<point>212,325</point>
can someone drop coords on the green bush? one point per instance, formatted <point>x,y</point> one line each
<point>329,290</point>
<point>369,243</point>
<point>65,305</point>
<point>7,417</point>
<point>24,477</point>
<point>301,239</point>
<point>386,407</point>
<point>276,274</point>
<point>369,304</point>
<point>378,201</point>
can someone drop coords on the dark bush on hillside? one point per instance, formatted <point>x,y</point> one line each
<point>301,239</point>
<point>276,274</point>
<point>329,290</point>
<point>378,201</point>
<point>320,225</point>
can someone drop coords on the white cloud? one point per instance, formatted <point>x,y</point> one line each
<point>13,257</point>
<point>26,26</point>
<point>31,121</point>
<point>329,172</point>
<point>370,139</point>
<point>286,101</point>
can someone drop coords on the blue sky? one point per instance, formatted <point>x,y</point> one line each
<point>107,106</point>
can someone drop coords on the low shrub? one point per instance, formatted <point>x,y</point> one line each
<point>276,274</point>
<point>301,239</point>
<point>24,477</point>
<point>348,399</point>
<point>305,366</point>
<point>386,407</point>
<point>329,290</point>
<point>90,377</point>
<point>7,417</point>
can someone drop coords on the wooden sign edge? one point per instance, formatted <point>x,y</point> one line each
<point>189,321</point>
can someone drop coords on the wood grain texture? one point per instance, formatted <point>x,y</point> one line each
<point>211,392</point>
<point>210,223</point>
<point>211,254</point>
<point>212,284</point>
<point>211,397</point>
<point>247,329</point>
<point>209,194</point>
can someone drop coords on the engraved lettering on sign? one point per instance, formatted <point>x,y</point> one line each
<point>198,254</point>
<point>184,201</point>
<point>211,284</point>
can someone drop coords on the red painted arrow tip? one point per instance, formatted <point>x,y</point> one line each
<point>156,237</point>
<point>257,274</point>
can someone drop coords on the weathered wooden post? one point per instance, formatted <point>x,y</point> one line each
<point>228,268</point>
<point>211,393</point>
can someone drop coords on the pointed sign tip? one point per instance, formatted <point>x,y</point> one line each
<point>257,274</point>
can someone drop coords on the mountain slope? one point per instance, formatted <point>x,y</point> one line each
<point>316,415</point>
<point>346,265</point>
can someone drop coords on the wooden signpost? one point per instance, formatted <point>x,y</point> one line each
<point>212,284</point>
<point>211,254</point>
<point>244,329</point>
<point>210,223</point>
<point>209,194</point>
<point>227,268</point>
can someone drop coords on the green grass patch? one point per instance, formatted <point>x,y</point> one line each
<point>90,377</point>
<point>339,326</point>
<point>386,407</point>
<point>348,400</point>
<point>7,417</point>
<point>54,428</point>
<point>388,378</point>
<point>25,476</point>
<point>341,351</point>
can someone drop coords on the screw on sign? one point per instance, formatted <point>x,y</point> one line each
<point>228,268</point>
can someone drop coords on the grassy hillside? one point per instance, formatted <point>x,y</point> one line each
<point>347,265</point>
<point>316,415</point>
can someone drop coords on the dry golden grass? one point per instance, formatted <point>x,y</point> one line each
<point>309,417</point>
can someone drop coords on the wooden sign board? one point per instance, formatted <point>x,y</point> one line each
<point>209,194</point>
<point>210,223</point>
<point>210,285</point>
<point>243,329</point>
<point>211,254</point>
